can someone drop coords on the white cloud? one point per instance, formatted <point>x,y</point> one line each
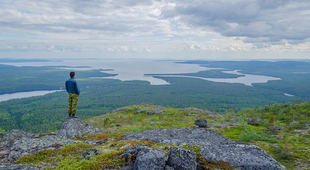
<point>154,26</point>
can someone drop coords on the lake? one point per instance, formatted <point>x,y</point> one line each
<point>5,97</point>
<point>143,70</point>
<point>246,79</point>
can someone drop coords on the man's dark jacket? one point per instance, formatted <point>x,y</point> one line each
<point>71,86</point>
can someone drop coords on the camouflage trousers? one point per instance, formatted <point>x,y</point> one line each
<point>73,101</point>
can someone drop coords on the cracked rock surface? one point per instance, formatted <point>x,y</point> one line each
<point>215,147</point>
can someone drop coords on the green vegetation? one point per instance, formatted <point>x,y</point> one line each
<point>21,79</point>
<point>279,129</point>
<point>130,120</point>
<point>100,96</point>
<point>70,156</point>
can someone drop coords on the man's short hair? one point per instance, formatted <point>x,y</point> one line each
<point>72,74</point>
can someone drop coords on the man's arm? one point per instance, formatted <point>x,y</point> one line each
<point>67,86</point>
<point>76,88</point>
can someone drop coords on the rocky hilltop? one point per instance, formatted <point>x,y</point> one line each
<point>89,147</point>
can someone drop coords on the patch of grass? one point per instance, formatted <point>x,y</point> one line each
<point>249,135</point>
<point>131,122</point>
<point>290,146</point>
<point>55,154</point>
<point>104,136</point>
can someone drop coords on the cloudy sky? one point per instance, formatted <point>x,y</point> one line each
<point>162,29</point>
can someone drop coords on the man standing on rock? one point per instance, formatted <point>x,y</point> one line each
<point>74,92</point>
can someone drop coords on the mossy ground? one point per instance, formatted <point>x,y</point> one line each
<point>70,156</point>
<point>129,121</point>
<point>289,146</point>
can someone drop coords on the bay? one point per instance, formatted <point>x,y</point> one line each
<point>20,95</point>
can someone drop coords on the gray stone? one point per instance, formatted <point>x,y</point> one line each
<point>192,114</point>
<point>34,145</point>
<point>90,153</point>
<point>13,135</point>
<point>215,147</point>
<point>202,123</point>
<point>75,127</point>
<point>167,167</point>
<point>149,159</point>
<point>182,159</point>
<point>18,167</point>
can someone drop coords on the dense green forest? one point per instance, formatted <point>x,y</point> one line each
<point>99,96</point>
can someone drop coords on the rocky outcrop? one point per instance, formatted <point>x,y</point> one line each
<point>26,146</point>
<point>18,167</point>
<point>182,159</point>
<point>147,158</point>
<point>13,135</point>
<point>215,147</point>
<point>74,127</point>
<point>17,143</point>
<point>150,159</point>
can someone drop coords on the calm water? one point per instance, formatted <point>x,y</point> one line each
<point>5,97</point>
<point>246,79</point>
<point>126,69</point>
<point>139,69</point>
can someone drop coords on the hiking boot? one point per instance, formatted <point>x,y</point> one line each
<point>70,115</point>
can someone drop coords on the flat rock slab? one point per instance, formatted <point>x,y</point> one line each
<point>215,147</point>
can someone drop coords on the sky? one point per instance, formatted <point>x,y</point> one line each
<point>155,29</point>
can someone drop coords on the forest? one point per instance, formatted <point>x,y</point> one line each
<point>100,96</point>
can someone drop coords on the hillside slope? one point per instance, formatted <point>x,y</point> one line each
<point>129,136</point>
<point>280,129</point>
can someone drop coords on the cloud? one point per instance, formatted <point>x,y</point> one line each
<point>154,26</point>
<point>273,20</point>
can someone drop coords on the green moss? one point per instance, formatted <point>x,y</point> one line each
<point>289,146</point>
<point>104,136</point>
<point>131,122</point>
<point>54,155</point>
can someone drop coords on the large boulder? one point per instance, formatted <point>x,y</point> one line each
<point>150,159</point>
<point>75,127</point>
<point>8,140</point>
<point>182,159</point>
<point>214,146</point>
